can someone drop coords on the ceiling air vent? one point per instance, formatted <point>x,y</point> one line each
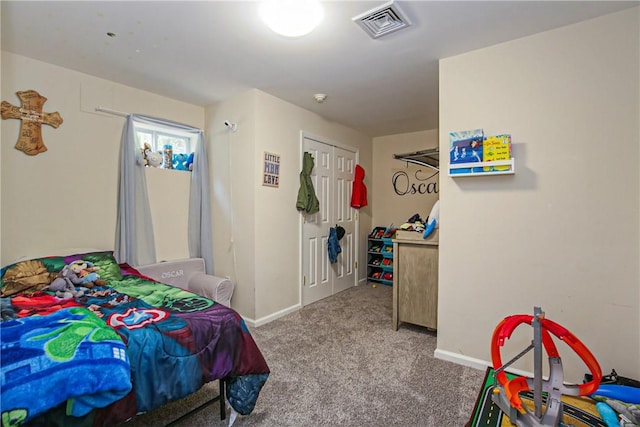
<point>382,20</point>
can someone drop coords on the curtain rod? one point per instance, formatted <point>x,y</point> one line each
<point>110,111</point>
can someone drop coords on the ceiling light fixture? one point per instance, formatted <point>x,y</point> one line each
<point>291,18</point>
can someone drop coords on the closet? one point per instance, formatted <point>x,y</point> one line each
<point>332,179</point>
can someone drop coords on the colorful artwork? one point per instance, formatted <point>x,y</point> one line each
<point>466,147</point>
<point>271,172</point>
<point>497,147</point>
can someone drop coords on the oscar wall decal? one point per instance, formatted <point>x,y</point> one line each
<point>420,182</point>
<point>30,113</point>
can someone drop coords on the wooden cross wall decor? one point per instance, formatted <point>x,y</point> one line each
<point>30,139</point>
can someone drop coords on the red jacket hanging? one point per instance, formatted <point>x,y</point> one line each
<point>359,193</point>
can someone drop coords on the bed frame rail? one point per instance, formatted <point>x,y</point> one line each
<point>219,398</point>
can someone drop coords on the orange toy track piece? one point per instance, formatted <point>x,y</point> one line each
<point>512,387</point>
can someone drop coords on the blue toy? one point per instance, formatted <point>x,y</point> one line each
<point>180,162</point>
<point>190,161</point>
<point>607,414</point>
<point>624,393</point>
<point>432,221</point>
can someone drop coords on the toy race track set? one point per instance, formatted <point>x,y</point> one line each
<point>507,399</point>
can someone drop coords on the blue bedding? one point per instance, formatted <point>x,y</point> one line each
<point>122,346</point>
<point>68,356</point>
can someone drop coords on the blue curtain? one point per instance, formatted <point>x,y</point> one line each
<point>134,229</point>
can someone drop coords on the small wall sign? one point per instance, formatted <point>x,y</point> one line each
<point>271,170</point>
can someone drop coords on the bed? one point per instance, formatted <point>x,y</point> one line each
<point>97,342</point>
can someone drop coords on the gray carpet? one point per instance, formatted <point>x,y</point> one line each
<point>338,362</point>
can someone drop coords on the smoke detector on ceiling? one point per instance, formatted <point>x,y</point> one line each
<point>320,97</point>
<point>382,20</point>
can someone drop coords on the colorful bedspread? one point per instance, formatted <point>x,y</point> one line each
<point>68,356</point>
<point>175,340</point>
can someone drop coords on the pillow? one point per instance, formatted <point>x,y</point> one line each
<point>33,275</point>
<point>30,275</point>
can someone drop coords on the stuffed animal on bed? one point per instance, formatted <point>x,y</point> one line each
<point>86,271</point>
<point>64,284</point>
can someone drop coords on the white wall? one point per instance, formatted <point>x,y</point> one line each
<point>232,176</point>
<point>396,204</point>
<point>277,221</point>
<point>265,231</point>
<point>66,196</point>
<point>563,232</point>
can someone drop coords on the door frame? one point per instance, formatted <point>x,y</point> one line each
<point>323,140</point>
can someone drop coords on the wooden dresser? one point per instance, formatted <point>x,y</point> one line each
<point>415,280</point>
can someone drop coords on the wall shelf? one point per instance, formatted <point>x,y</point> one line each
<point>477,168</point>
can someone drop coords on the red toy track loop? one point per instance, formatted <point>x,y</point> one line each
<point>506,327</point>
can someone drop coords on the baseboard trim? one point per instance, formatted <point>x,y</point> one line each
<point>472,362</point>
<point>272,317</point>
<point>461,359</point>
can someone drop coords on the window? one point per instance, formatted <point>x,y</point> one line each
<point>172,145</point>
